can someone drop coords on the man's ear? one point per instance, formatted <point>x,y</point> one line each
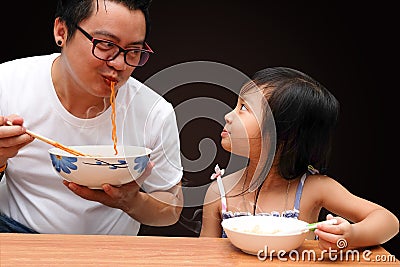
<point>60,31</point>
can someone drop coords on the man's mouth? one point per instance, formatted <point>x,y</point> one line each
<point>109,80</point>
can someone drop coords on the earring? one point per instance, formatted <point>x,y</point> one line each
<point>59,42</point>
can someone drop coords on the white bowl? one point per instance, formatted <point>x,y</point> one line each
<point>252,234</point>
<point>102,166</point>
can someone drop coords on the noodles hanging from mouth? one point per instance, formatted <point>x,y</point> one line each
<point>113,117</point>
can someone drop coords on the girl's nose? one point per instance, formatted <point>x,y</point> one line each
<point>228,117</point>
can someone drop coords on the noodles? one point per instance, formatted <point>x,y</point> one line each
<point>113,116</point>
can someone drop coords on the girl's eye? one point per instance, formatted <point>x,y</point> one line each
<point>243,107</point>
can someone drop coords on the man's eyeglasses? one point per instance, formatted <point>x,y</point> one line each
<point>107,51</point>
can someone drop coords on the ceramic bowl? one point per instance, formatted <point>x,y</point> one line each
<point>102,166</point>
<point>265,234</point>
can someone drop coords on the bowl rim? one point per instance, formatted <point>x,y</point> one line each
<point>226,229</point>
<point>53,150</point>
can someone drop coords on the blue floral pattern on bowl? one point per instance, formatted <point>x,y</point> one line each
<point>65,164</point>
<point>113,166</point>
<point>141,163</point>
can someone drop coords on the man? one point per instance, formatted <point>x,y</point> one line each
<point>66,96</point>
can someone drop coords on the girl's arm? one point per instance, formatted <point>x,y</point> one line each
<point>370,224</point>
<point>211,219</point>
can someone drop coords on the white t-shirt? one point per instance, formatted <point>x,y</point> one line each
<point>33,193</point>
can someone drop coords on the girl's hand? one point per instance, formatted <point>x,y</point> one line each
<point>336,236</point>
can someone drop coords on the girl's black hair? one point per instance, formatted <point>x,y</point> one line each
<point>305,115</point>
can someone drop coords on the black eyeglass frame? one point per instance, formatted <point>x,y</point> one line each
<point>146,51</point>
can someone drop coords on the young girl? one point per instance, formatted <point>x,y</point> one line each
<point>285,171</point>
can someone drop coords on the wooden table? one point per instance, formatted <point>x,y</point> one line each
<point>100,250</point>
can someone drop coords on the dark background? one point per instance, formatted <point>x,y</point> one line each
<point>349,48</point>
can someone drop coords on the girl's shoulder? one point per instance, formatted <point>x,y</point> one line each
<point>321,183</point>
<point>319,178</point>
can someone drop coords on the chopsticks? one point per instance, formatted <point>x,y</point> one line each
<point>313,226</point>
<point>51,142</point>
<point>308,227</point>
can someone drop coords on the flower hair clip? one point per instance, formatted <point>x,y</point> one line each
<point>312,169</point>
<point>218,172</point>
